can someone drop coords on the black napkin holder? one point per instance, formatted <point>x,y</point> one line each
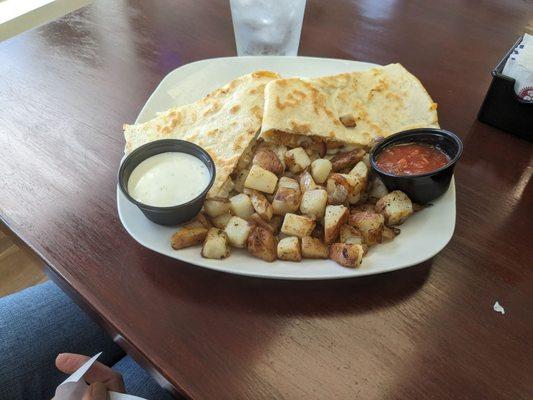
<point>502,108</point>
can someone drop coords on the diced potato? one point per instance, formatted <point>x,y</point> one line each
<point>286,201</point>
<point>335,217</point>
<point>199,221</point>
<point>188,236</point>
<point>346,254</point>
<point>238,231</point>
<point>315,149</point>
<point>268,159</point>
<point>239,180</point>
<point>338,187</point>
<point>275,223</point>
<point>362,207</point>
<point>313,248</point>
<point>297,160</point>
<point>215,206</point>
<point>348,234</point>
<point>262,244</point>
<point>289,249</point>
<point>360,170</point>
<point>370,224</point>
<point>389,233</point>
<point>261,205</point>
<point>221,221</point>
<point>288,183</point>
<point>320,170</point>
<point>347,159</point>
<point>241,205</point>
<point>306,182</point>
<point>216,244</point>
<point>297,225</point>
<point>395,207</point>
<point>377,189</point>
<point>261,179</point>
<point>313,203</point>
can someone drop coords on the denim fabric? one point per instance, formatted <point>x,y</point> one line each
<point>36,325</point>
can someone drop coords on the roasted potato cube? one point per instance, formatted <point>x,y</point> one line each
<point>348,234</point>
<point>286,201</point>
<point>389,233</point>
<point>215,206</point>
<point>307,182</point>
<point>289,249</point>
<point>362,207</point>
<point>240,178</point>
<point>216,244</point>
<point>221,221</point>
<point>188,236</point>
<point>261,179</point>
<point>347,159</point>
<point>268,159</point>
<point>313,248</point>
<point>320,170</point>
<point>273,225</point>
<point>199,221</point>
<point>297,160</point>
<point>377,189</point>
<point>261,205</point>
<point>346,254</point>
<point>339,186</point>
<point>262,244</point>
<point>315,149</point>
<point>370,224</point>
<point>360,171</point>
<point>334,218</point>
<point>238,231</point>
<point>313,203</point>
<point>241,205</point>
<point>395,207</point>
<point>297,225</point>
<point>288,183</point>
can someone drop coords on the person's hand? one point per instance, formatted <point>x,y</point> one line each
<point>100,377</point>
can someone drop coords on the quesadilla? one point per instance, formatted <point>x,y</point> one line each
<point>355,108</point>
<point>225,123</point>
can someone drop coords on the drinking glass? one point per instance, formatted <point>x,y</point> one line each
<point>267,27</point>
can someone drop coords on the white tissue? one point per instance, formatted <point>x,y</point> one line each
<point>519,66</point>
<point>74,386</point>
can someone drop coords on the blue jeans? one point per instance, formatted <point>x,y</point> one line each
<point>39,323</point>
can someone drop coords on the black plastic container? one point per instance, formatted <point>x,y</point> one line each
<point>166,215</point>
<point>502,108</point>
<point>421,188</point>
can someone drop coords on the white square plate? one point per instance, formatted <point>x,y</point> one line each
<point>423,235</point>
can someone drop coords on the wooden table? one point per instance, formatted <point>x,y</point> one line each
<point>428,332</point>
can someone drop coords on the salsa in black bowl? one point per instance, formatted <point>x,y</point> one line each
<point>419,162</point>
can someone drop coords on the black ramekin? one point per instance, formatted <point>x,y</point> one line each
<point>166,215</point>
<point>426,187</point>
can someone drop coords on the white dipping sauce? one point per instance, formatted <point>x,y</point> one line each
<point>168,179</point>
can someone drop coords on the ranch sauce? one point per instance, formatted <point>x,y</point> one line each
<point>168,179</point>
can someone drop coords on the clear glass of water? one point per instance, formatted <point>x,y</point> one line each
<point>267,27</point>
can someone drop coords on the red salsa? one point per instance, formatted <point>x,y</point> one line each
<point>411,159</point>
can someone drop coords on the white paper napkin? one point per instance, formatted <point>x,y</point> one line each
<point>74,386</point>
<point>519,66</point>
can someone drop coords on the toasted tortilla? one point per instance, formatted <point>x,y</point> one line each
<point>225,123</point>
<point>379,102</point>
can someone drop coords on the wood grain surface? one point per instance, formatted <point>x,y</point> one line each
<point>428,332</point>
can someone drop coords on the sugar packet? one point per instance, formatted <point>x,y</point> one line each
<point>519,66</point>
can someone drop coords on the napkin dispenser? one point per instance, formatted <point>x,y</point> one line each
<point>502,108</point>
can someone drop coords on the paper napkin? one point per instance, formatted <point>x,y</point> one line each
<point>519,66</point>
<point>74,386</point>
